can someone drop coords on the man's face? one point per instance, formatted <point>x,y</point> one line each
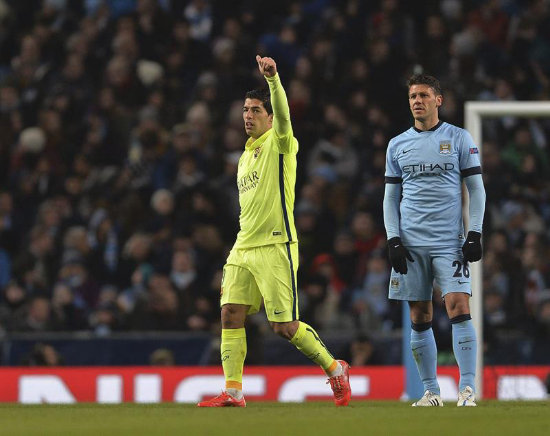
<point>423,102</point>
<point>256,119</point>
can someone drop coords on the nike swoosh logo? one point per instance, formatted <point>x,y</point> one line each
<point>275,312</point>
<point>406,151</point>
<point>462,283</point>
<point>465,342</point>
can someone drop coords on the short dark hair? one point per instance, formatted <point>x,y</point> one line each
<point>264,96</point>
<point>424,79</point>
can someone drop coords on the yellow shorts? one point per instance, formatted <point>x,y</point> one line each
<point>268,271</point>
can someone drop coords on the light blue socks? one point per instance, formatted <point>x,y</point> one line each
<point>465,348</point>
<point>424,351</point>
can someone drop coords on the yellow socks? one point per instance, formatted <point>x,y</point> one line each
<point>233,352</point>
<point>309,343</point>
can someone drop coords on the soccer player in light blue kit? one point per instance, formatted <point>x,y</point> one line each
<point>425,168</point>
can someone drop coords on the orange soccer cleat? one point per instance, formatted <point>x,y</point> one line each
<point>340,386</point>
<point>223,400</point>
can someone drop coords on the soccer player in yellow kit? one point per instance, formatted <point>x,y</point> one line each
<point>264,260</point>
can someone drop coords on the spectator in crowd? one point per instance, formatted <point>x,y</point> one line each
<point>162,357</point>
<point>159,309</point>
<point>363,351</point>
<point>35,316</point>
<point>43,355</point>
<point>370,302</point>
<point>14,297</point>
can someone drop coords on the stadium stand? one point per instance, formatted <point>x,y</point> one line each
<point>121,130</point>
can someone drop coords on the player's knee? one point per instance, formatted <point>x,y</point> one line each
<point>457,307</point>
<point>232,316</point>
<point>458,310</point>
<point>421,318</point>
<point>421,314</point>
<point>280,329</point>
<point>421,309</point>
<point>284,329</point>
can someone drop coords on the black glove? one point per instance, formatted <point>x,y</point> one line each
<point>472,249</point>
<point>398,255</point>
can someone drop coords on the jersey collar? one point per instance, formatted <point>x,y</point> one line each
<point>433,129</point>
<point>252,143</point>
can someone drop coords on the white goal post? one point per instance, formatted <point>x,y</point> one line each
<point>474,111</point>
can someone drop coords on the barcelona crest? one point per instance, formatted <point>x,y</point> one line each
<point>257,152</point>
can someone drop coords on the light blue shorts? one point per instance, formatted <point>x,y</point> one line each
<point>445,265</point>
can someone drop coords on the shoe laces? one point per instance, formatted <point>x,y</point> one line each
<point>466,394</point>
<point>336,385</point>
<point>223,396</point>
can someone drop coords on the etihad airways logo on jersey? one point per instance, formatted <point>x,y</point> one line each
<point>428,169</point>
<point>248,182</point>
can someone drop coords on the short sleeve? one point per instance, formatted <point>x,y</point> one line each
<point>468,156</point>
<point>393,170</point>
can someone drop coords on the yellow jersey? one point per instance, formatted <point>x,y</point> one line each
<point>266,179</point>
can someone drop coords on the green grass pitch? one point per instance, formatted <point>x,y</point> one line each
<point>259,418</point>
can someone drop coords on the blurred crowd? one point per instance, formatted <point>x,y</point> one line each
<point>122,127</point>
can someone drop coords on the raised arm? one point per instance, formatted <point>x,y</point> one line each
<point>281,112</point>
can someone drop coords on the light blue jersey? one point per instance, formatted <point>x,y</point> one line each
<point>430,166</point>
